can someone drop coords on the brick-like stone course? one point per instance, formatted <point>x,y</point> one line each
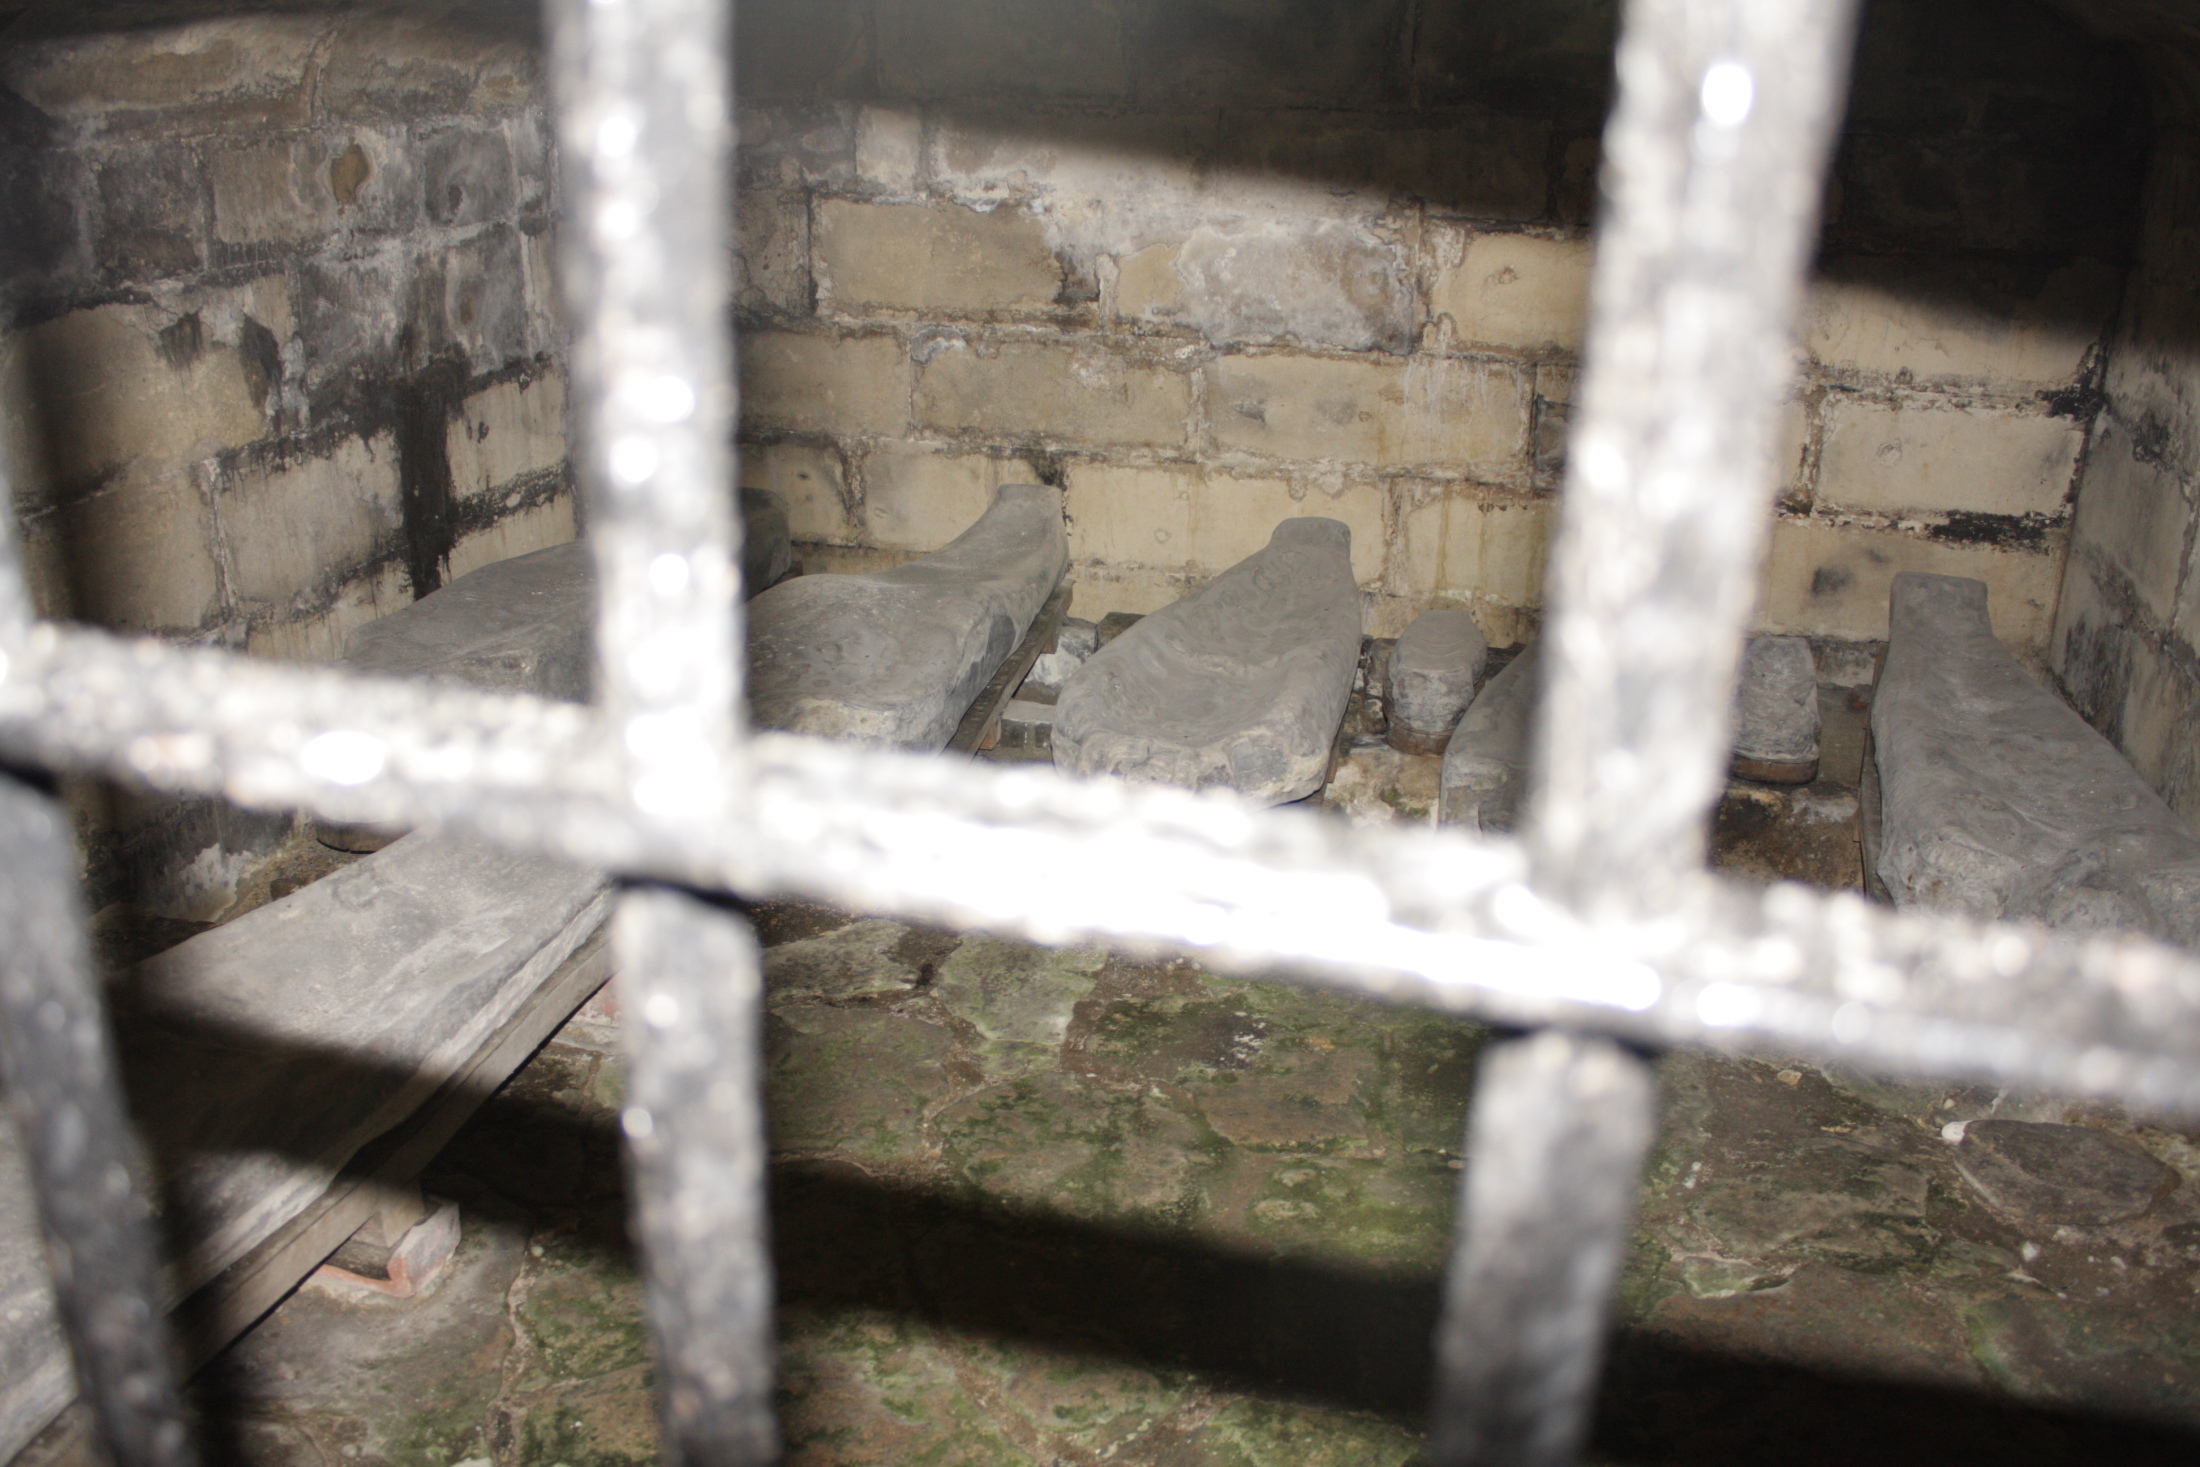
<point>281,338</point>
<point>1204,269</point>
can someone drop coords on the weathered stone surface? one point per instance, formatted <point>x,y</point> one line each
<point>504,432</point>
<point>1998,801</point>
<point>1518,291</point>
<point>1465,416</point>
<point>523,625</point>
<point>931,257</point>
<point>411,957</point>
<point>134,382</point>
<point>1322,284</point>
<point>824,383</point>
<point>811,482</point>
<point>1084,394</point>
<point>1892,319</point>
<point>1434,670</point>
<point>2043,1175</point>
<point>527,624</point>
<point>1935,456</point>
<point>1486,762</point>
<point>138,558</point>
<point>1453,545</point>
<point>1242,683</point>
<point>1832,580</point>
<point>896,657</point>
<point>291,527</point>
<point>919,496</point>
<point>1776,721</point>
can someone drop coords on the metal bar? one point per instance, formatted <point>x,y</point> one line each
<point>1713,164</point>
<point>1714,160</point>
<point>59,1066</point>
<point>691,996</point>
<point>1557,1136</point>
<point>643,102</point>
<point>1428,917</point>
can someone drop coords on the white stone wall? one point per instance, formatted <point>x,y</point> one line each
<point>1347,275</point>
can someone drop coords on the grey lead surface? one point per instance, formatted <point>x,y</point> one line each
<point>1997,801</point>
<point>1485,774</point>
<point>1240,685</point>
<point>895,658</point>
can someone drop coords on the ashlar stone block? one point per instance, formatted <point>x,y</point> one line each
<point>546,524</point>
<point>1452,544</point>
<point>1893,322</point>
<point>139,558</point>
<point>1078,394</point>
<point>1470,417</point>
<point>293,528</point>
<point>1919,454</point>
<point>2135,513</point>
<point>1323,283</point>
<point>240,72</point>
<point>920,496</point>
<point>505,431</point>
<point>810,482</point>
<point>137,383</point>
<point>271,193</point>
<point>1828,580</point>
<point>933,257</point>
<point>1514,292</point>
<point>771,264</point>
<point>824,384</point>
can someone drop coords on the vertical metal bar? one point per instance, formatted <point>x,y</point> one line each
<point>643,99</point>
<point>58,1064</point>
<point>644,114</point>
<point>1714,162</point>
<point>1555,1141</point>
<point>691,989</point>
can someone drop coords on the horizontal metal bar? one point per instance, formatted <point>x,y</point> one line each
<point>1427,917</point>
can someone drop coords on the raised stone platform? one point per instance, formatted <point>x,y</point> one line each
<point>268,1056</point>
<point>897,657</point>
<point>1241,684</point>
<point>1998,801</point>
<point>1486,763</point>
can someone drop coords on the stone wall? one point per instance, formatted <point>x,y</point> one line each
<point>1207,264</point>
<point>281,352</point>
<point>2127,637</point>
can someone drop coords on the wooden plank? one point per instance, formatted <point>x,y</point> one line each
<point>981,726</point>
<point>235,1300</point>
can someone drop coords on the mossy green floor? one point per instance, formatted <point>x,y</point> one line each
<point>1064,1207</point>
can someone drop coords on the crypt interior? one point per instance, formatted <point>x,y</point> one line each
<point>283,371</point>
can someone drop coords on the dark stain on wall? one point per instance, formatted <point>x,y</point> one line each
<point>2009,531</point>
<point>426,403</point>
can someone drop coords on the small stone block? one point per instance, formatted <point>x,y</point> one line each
<point>1776,723</point>
<point>1434,670</point>
<point>1078,638</point>
<point>1486,763</point>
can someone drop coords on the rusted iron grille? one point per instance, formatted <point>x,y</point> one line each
<point>1600,932</point>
